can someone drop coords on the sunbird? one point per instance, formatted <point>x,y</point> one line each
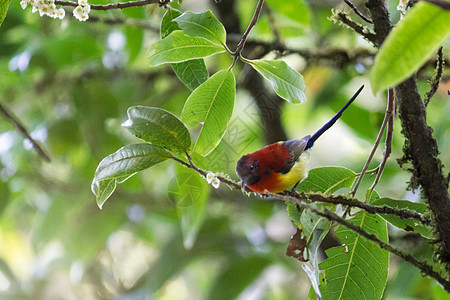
<point>281,165</point>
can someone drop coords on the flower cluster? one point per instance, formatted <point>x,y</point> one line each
<point>81,12</point>
<point>212,179</point>
<point>45,8</point>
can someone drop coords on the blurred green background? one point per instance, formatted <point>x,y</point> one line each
<point>70,83</point>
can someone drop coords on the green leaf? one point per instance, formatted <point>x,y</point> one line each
<point>189,191</point>
<point>203,25</point>
<point>4,4</point>
<point>361,272</point>
<point>178,47</point>
<point>122,164</point>
<point>409,45</point>
<point>405,224</point>
<point>168,24</point>
<point>237,276</point>
<point>296,10</point>
<point>192,72</point>
<point>159,127</point>
<point>211,105</point>
<point>327,180</point>
<point>286,82</point>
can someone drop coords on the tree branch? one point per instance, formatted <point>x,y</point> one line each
<point>426,269</point>
<point>9,117</point>
<point>420,146</point>
<point>120,5</point>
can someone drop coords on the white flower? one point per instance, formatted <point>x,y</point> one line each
<point>87,8</point>
<point>82,2</point>
<point>44,10</point>
<point>24,4</point>
<point>215,183</point>
<point>78,11</point>
<point>61,13</point>
<point>210,177</point>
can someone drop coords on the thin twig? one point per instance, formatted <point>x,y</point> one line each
<point>119,5</point>
<point>372,209</point>
<point>355,9</point>
<point>9,117</point>
<point>425,268</point>
<point>241,44</point>
<point>388,144</point>
<point>372,153</point>
<point>342,17</point>
<point>434,82</point>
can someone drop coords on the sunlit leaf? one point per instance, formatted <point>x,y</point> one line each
<point>179,47</point>
<point>358,269</point>
<point>211,105</point>
<point>286,82</point>
<point>409,45</point>
<point>192,72</point>
<point>405,224</point>
<point>122,164</point>
<point>159,127</point>
<point>4,4</point>
<point>203,25</point>
<point>296,10</point>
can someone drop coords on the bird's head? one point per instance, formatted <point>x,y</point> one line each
<point>247,169</point>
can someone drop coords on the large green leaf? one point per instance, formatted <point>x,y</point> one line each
<point>203,25</point>
<point>287,83</point>
<point>178,47</point>
<point>122,164</point>
<point>409,45</point>
<point>358,269</point>
<point>211,105</point>
<point>4,4</point>
<point>159,127</point>
<point>192,72</point>
<point>296,10</point>
<point>189,192</point>
<point>405,224</point>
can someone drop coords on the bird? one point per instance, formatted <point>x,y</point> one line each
<point>278,166</point>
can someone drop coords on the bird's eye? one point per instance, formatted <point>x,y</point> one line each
<point>252,167</point>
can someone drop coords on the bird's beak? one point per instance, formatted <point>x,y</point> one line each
<point>243,186</point>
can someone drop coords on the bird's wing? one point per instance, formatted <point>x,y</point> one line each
<point>295,148</point>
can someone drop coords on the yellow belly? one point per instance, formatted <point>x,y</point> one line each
<point>298,172</point>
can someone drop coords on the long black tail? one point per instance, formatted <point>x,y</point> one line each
<point>333,120</point>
